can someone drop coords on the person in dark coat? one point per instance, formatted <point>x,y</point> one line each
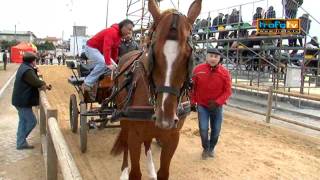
<point>235,19</point>
<point>51,59</point>
<point>127,45</point>
<point>59,59</point>
<point>271,13</point>
<point>305,26</point>
<point>25,95</point>
<point>226,20</point>
<point>291,8</point>
<point>5,59</point>
<point>218,21</point>
<point>313,50</point>
<point>258,14</point>
<point>63,59</point>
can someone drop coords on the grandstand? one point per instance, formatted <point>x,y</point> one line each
<point>261,59</point>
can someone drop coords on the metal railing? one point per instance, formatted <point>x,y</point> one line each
<point>272,93</point>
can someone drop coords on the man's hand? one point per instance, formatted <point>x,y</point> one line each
<point>112,67</point>
<point>212,105</point>
<point>46,87</point>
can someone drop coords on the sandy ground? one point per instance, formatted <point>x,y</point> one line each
<point>247,148</point>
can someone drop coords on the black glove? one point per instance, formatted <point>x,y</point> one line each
<point>189,84</point>
<point>194,108</point>
<point>212,105</point>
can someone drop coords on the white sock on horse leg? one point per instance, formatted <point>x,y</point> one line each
<point>151,170</point>
<point>125,174</point>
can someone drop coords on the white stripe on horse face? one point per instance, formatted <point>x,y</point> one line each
<point>171,53</point>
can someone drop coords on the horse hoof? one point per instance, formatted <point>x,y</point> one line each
<point>125,174</point>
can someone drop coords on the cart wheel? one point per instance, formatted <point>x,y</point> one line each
<point>74,113</point>
<point>83,128</point>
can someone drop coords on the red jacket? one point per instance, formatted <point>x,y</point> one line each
<point>107,42</point>
<point>210,84</point>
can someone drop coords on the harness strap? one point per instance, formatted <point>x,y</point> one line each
<point>128,64</point>
<point>168,89</point>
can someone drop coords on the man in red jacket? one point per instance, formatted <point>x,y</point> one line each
<point>211,90</point>
<point>103,48</point>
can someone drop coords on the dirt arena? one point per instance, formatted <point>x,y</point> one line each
<point>247,149</point>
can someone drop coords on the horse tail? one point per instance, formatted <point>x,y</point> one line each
<point>121,143</point>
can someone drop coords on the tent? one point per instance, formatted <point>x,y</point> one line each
<point>18,51</point>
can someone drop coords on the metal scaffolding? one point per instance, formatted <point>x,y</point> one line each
<point>137,11</point>
<point>242,67</point>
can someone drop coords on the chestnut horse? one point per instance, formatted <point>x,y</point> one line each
<point>157,82</point>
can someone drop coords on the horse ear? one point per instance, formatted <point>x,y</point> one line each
<point>154,10</point>
<point>194,11</point>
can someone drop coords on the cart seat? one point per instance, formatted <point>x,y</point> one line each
<point>85,69</point>
<point>76,81</point>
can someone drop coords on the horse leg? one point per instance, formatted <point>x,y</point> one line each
<point>170,144</point>
<point>150,164</point>
<point>134,144</point>
<point>125,168</point>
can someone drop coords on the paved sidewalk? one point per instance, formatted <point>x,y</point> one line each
<point>5,75</point>
<point>14,164</point>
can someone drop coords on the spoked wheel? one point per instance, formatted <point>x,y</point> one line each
<point>83,128</point>
<point>74,113</point>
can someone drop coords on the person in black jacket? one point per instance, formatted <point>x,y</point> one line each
<point>5,59</point>
<point>127,45</point>
<point>258,14</point>
<point>217,21</point>
<point>305,26</point>
<point>271,13</point>
<point>25,95</point>
<point>313,50</point>
<point>291,7</point>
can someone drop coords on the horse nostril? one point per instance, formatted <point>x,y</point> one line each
<point>176,121</point>
<point>154,117</point>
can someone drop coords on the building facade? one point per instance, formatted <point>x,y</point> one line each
<point>21,36</point>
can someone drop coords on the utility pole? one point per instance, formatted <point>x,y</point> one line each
<point>107,13</point>
<point>15,32</point>
<point>178,5</point>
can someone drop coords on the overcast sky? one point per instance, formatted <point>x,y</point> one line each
<point>53,17</point>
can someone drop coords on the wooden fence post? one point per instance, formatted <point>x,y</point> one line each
<point>269,108</point>
<point>42,121</point>
<point>52,160</point>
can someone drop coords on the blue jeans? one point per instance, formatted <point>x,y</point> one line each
<point>98,63</point>
<point>215,118</point>
<point>27,121</point>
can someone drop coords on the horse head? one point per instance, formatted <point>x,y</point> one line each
<point>170,62</point>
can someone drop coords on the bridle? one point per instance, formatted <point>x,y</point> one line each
<point>154,90</point>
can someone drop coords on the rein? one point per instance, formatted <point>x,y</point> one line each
<point>136,70</point>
